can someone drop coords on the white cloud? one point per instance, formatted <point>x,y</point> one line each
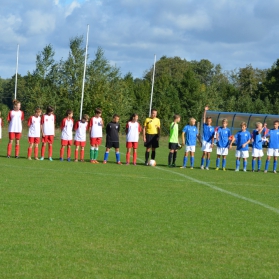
<point>72,7</point>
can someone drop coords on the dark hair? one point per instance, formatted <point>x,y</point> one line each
<point>69,111</point>
<point>98,110</point>
<point>153,110</point>
<point>132,116</point>
<point>115,115</point>
<point>85,117</point>
<point>49,109</point>
<point>176,116</point>
<point>15,102</point>
<point>208,117</point>
<point>276,121</point>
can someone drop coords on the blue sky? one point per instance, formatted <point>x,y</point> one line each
<point>231,33</point>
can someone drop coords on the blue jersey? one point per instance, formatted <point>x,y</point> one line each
<point>257,143</point>
<point>208,133</point>
<point>273,138</point>
<point>241,138</point>
<point>223,137</point>
<point>191,133</point>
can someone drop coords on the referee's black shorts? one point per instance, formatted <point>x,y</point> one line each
<point>110,144</point>
<point>152,141</point>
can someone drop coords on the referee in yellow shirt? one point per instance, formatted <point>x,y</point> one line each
<point>151,134</point>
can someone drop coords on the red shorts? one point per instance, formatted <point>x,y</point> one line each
<point>48,139</point>
<point>33,140</point>
<point>13,136</point>
<point>132,144</point>
<point>66,142</point>
<point>95,141</point>
<point>80,143</point>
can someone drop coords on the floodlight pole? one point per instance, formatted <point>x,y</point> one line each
<point>17,54</point>
<point>152,87</point>
<point>84,72</point>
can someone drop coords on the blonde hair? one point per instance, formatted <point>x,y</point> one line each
<point>225,120</point>
<point>243,124</point>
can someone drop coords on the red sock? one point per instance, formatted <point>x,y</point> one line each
<point>69,152</point>
<point>36,151</point>
<point>76,154</point>
<point>61,152</point>
<point>128,157</point>
<point>82,154</point>
<point>29,152</point>
<point>43,149</point>
<point>134,157</point>
<point>9,149</point>
<point>50,151</point>
<point>16,149</point>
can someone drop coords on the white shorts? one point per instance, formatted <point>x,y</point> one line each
<point>272,152</point>
<point>222,151</point>
<point>190,148</point>
<point>242,154</point>
<point>257,152</point>
<point>206,146</point>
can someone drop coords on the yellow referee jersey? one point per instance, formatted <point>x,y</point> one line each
<point>151,125</point>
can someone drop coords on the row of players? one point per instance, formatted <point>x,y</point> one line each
<point>151,132</point>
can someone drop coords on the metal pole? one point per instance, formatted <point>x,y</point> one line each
<point>17,54</point>
<point>84,72</point>
<point>152,87</point>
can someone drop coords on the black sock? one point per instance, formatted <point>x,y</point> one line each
<point>146,156</point>
<point>170,157</point>
<point>153,155</point>
<point>174,157</point>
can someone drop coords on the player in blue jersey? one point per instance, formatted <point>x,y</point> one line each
<point>223,143</point>
<point>207,140</point>
<point>242,139</point>
<point>273,146</point>
<point>191,132</point>
<point>257,151</point>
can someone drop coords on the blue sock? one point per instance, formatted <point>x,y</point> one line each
<point>259,164</point>
<point>253,164</point>
<point>106,156</point>
<point>192,160</point>
<point>185,159</point>
<point>224,162</point>
<point>237,163</point>
<point>202,161</point>
<point>207,163</point>
<point>217,162</point>
<point>275,165</point>
<point>245,165</point>
<point>117,155</point>
<point>266,165</point>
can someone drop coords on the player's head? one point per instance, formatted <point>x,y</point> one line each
<point>16,104</point>
<point>85,118</point>
<point>243,126</point>
<point>38,112</point>
<point>259,125</point>
<point>176,118</point>
<point>49,110</point>
<point>265,124</point>
<point>98,112</point>
<point>225,122</point>
<point>115,118</point>
<point>153,113</point>
<point>208,120</point>
<point>276,124</point>
<point>69,113</point>
<point>192,121</point>
<point>134,117</point>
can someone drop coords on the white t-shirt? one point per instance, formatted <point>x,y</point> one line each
<point>133,130</point>
<point>34,124</point>
<point>48,122</point>
<point>81,129</point>
<point>67,129</point>
<point>96,124</point>
<point>15,121</point>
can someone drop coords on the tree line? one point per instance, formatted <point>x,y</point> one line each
<point>181,86</point>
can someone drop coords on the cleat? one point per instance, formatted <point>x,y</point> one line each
<point>50,159</point>
<point>237,169</point>
<point>146,163</point>
<point>191,168</point>
<point>16,157</point>
<point>76,160</point>
<point>217,169</point>
<point>173,165</point>
<point>69,159</point>
<point>170,166</point>
<point>104,162</point>
<point>96,162</point>
<point>258,170</point>
<point>37,159</point>
<point>92,161</point>
<point>207,168</point>
<point>183,167</point>
<point>253,170</point>
<point>265,171</point>
<point>274,171</point>
<point>244,170</point>
<point>61,159</point>
<point>42,158</point>
<point>127,164</point>
<point>134,164</point>
<point>29,158</point>
<point>82,161</point>
<point>119,163</point>
<point>8,156</point>
<point>224,169</point>
<point>202,167</point>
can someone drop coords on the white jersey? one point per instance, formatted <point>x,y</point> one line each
<point>1,125</point>
<point>15,121</point>
<point>96,124</point>
<point>133,130</point>
<point>34,124</point>
<point>81,129</point>
<point>48,122</point>
<point>67,129</point>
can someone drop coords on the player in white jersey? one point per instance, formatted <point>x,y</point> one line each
<point>48,132</point>
<point>15,118</point>
<point>67,125</point>
<point>80,128</point>
<point>133,130</point>
<point>96,125</point>
<point>34,124</point>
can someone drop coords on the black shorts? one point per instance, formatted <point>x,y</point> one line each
<point>173,146</point>
<point>110,144</point>
<point>152,141</point>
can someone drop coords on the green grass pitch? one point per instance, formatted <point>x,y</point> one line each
<point>79,220</point>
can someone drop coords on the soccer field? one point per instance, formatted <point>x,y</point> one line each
<point>82,220</point>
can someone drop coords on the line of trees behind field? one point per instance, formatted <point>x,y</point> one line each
<point>181,86</point>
